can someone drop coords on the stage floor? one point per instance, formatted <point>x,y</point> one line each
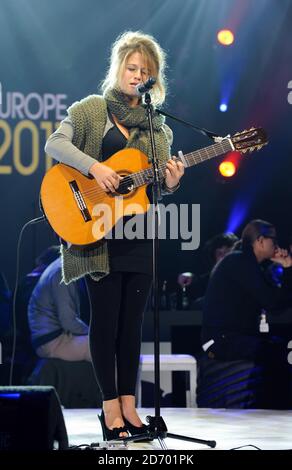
<point>266,429</point>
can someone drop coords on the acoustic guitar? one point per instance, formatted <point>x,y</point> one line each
<point>74,204</point>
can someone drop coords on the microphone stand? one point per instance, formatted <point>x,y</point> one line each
<point>157,428</point>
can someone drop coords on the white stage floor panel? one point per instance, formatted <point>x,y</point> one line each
<point>266,429</point>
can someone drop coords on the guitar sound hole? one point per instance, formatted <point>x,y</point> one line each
<point>126,185</point>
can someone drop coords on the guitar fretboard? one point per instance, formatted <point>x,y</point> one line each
<point>189,159</point>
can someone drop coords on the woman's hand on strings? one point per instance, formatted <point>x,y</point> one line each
<point>105,177</point>
<point>173,173</point>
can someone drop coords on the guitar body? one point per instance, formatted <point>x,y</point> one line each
<point>81,213</point>
<point>71,201</point>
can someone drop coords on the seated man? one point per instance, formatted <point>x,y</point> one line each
<point>25,351</point>
<point>57,330</point>
<point>237,292</point>
<point>214,250</point>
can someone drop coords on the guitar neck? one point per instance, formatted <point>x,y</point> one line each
<point>189,159</point>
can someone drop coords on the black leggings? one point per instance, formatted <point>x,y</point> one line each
<point>117,305</point>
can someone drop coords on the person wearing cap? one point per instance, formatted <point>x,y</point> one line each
<point>238,291</point>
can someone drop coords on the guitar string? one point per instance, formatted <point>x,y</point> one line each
<point>129,179</point>
<point>136,178</point>
<point>138,175</point>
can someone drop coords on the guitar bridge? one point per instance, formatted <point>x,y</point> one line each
<point>80,201</point>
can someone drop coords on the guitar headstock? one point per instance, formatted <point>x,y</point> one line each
<point>249,140</point>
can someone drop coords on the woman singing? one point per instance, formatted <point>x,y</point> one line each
<point>118,271</point>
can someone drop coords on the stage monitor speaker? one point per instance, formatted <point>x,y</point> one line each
<point>31,418</point>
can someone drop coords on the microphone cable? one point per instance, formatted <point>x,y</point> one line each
<point>30,222</point>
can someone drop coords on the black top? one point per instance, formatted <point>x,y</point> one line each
<point>125,255</point>
<point>237,292</point>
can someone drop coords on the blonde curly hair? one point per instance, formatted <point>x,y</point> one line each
<point>153,55</point>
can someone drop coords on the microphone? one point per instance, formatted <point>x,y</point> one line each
<point>142,88</point>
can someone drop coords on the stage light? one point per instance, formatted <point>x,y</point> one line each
<point>225,37</point>
<point>223,107</point>
<point>229,166</point>
<point>238,213</point>
<point>227,169</point>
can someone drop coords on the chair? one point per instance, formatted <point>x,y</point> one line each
<point>171,363</point>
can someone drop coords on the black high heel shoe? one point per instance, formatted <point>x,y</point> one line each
<point>138,430</point>
<point>111,434</point>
